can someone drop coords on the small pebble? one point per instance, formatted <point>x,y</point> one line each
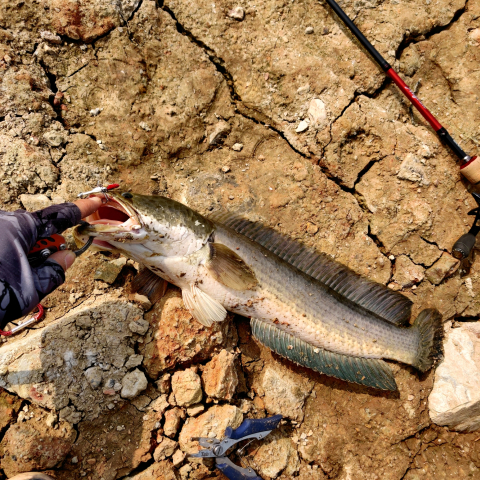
<point>237,147</point>
<point>237,13</point>
<point>302,126</point>
<point>261,158</point>
<point>231,197</point>
<point>391,257</point>
<point>75,460</point>
<point>309,30</point>
<point>225,169</point>
<point>410,398</point>
<point>95,112</point>
<point>99,142</point>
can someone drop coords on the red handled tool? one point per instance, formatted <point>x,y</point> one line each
<point>99,189</point>
<point>33,319</point>
<point>470,167</point>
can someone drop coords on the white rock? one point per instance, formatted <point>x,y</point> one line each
<point>413,170</point>
<point>95,111</point>
<point>237,147</point>
<point>309,30</point>
<point>455,398</point>
<point>237,13</point>
<point>133,383</point>
<point>302,126</point>
<point>55,138</point>
<point>145,126</point>
<point>187,388</point>
<point>50,37</point>
<point>317,113</point>
<point>94,376</point>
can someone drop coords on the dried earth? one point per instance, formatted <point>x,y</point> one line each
<point>273,110</point>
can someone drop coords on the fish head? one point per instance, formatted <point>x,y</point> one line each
<point>131,222</point>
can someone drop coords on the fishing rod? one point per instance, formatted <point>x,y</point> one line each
<point>470,166</point>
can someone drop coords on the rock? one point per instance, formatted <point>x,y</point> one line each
<point>194,410</point>
<point>412,169</point>
<point>36,202</point>
<point>237,13</point>
<point>276,454</point>
<point>159,471</point>
<point>141,402</point>
<point>309,30</point>
<point>163,383</point>
<point>133,383</point>
<point>142,300</point>
<point>302,126</point>
<point>445,266</point>
<point>134,361</point>
<point>219,132</point>
<point>406,272</point>
<point>47,367</point>
<point>185,471</point>
<point>237,147</point>
<point>165,449</point>
<point>139,326</point>
<point>94,376</point>
<point>160,404</point>
<point>176,338</point>
<point>220,377</point>
<point>210,424</point>
<point>9,408</point>
<point>225,169</point>
<point>454,401</point>
<point>55,138</point>
<point>145,126</point>
<point>187,388</point>
<point>173,420</point>
<point>285,392</point>
<point>50,37</point>
<point>29,446</point>
<point>178,458</point>
<point>109,271</point>
<point>317,113</point>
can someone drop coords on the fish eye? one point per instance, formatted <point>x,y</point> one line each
<point>127,195</point>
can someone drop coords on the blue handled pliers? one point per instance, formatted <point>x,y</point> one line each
<point>255,429</point>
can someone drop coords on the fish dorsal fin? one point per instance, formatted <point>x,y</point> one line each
<point>371,372</point>
<point>374,297</point>
<point>149,284</point>
<point>204,308</point>
<point>229,269</point>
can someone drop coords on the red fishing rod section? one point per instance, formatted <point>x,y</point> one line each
<point>470,167</point>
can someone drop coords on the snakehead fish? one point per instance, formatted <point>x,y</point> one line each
<point>303,305</point>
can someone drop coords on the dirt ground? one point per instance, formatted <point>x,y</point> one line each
<point>270,109</point>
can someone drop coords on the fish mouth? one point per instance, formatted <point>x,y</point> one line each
<point>113,221</point>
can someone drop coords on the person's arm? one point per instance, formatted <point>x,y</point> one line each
<point>22,287</point>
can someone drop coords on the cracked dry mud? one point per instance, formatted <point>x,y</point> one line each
<point>158,97</point>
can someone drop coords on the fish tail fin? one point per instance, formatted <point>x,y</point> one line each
<point>430,327</point>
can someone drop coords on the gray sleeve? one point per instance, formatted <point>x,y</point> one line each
<point>21,287</point>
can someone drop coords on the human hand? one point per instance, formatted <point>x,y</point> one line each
<point>22,287</point>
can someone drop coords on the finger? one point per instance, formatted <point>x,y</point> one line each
<point>64,258</point>
<point>90,205</point>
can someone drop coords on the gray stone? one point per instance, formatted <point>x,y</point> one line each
<point>134,361</point>
<point>94,376</point>
<point>109,271</point>
<point>133,383</point>
<point>55,138</point>
<point>139,326</point>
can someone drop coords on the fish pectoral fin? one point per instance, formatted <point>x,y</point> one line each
<point>202,306</point>
<point>372,372</point>
<point>149,284</point>
<point>227,268</point>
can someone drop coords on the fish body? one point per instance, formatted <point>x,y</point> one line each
<point>220,270</point>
